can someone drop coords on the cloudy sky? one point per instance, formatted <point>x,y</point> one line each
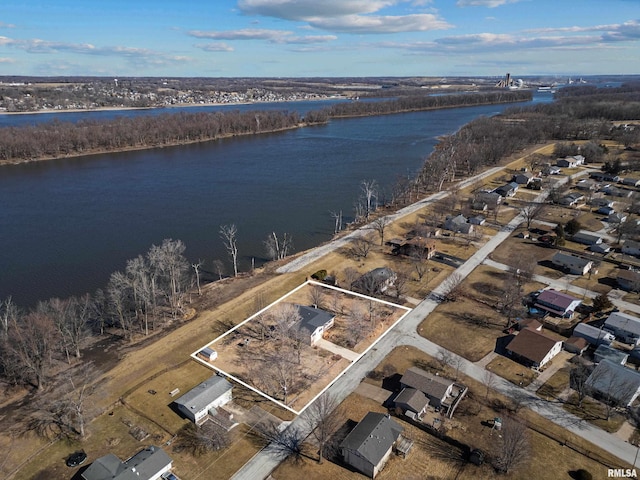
<point>302,38</point>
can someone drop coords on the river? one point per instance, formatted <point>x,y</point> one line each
<point>67,224</point>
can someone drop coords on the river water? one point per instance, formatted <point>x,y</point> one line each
<point>66,225</point>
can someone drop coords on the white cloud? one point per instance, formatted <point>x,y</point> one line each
<point>346,16</point>
<point>7,60</point>
<point>215,47</point>
<point>484,3</point>
<point>304,9</point>
<point>7,25</point>
<point>273,36</point>
<point>381,24</point>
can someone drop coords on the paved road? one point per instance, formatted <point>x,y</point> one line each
<point>405,334</point>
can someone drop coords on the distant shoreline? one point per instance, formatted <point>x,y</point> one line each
<point>162,107</point>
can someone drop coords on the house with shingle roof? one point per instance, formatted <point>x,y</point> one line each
<point>435,387</point>
<point>613,381</point>
<point>628,280</point>
<point>313,323</point>
<point>368,446</point>
<point>534,348</point>
<point>593,335</point>
<point>557,303</point>
<point>148,464</point>
<point>412,402</point>
<point>209,395</point>
<point>625,327</point>
<point>572,264</point>
<point>631,247</point>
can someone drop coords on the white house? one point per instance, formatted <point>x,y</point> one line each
<point>313,323</point>
<point>534,348</point>
<point>572,264</point>
<point>150,463</point>
<point>458,224</point>
<point>210,394</point>
<point>557,303</point>
<point>593,335</point>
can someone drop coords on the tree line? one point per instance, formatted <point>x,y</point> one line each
<point>59,139</point>
<point>484,141</point>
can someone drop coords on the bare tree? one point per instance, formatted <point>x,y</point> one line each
<point>379,225</point>
<point>8,314</point>
<point>578,377</point>
<point>317,297</point>
<point>369,190</point>
<point>444,358</point>
<point>357,326</point>
<point>278,248</point>
<point>420,261</point>
<point>229,235</point>
<point>350,276</point>
<point>283,442</point>
<point>511,300</point>
<point>453,286</point>
<point>323,418</point>
<point>196,269</point>
<point>489,381</point>
<point>337,217</point>
<point>514,448</point>
<point>401,283</point>
<point>169,269</point>
<point>360,246</point>
<point>218,266</point>
<point>202,439</point>
<point>531,212</point>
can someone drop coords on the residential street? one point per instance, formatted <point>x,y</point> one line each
<point>405,334</point>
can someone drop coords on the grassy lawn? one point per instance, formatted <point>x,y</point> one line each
<point>465,327</point>
<point>594,412</point>
<point>558,382</point>
<point>606,271</point>
<point>513,371</point>
<point>433,458</point>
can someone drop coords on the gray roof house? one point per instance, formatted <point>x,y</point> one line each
<point>435,387</point>
<point>148,464</point>
<point>607,352</point>
<point>613,381</point>
<point>368,446</point>
<point>628,280</point>
<point>508,190</point>
<point>210,394</point>
<point>586,238</point>
<point>375,281</point>
<point>634,182</point>
<point>314,322</point>
<point>412,402</point>
<point>593,335</point>
<point>490,198</point>
<point>601,202</point>
<point>631,247</point>
<point>459,223</point>
<point>572,264</point>
<point>522,178</point>
<point>625,327</point>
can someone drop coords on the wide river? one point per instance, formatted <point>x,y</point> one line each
<point>66,225</point>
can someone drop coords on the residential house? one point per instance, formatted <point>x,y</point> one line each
<point>458,224</point>
<point>313,323</point>
<point>572,200</point>
<point>200,400</point>
<point>522,178</point>
<point>557,303</point>
<point>586,185</point>
<point>418,247</point>
<point>613,381</point>
<point>609,353</point>
<point>148,464</point>
<point>572,264</point>
<point>631,247</point>
<point>628,280</point>
<point>601,202</point>
<point>604,177</point>
<point>376,281</point>
<point>570,162</point>
<point>441,392</point>
<point>595,336</point>
<point>551,170</point>
<point>508,190</point>
<point>586,238</point>
<point>491,199</point>
<point>632,182</point>
<point>577,345</point>
<point>616,218</point>
<point>368,446</point>
<point>600,248</point>
<point>605,210</point>
<point>412,402</point>
<point>477,220</point>
<point>616,192</point>
<point>534,348</point>
<point>625,327</point>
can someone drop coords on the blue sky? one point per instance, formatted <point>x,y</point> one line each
<point>311,38</point>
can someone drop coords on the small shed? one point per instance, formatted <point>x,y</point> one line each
<point>208,354</point>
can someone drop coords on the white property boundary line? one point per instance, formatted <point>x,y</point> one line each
<point>194,355</point>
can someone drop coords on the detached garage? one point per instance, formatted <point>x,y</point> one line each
<point>210,394</point>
